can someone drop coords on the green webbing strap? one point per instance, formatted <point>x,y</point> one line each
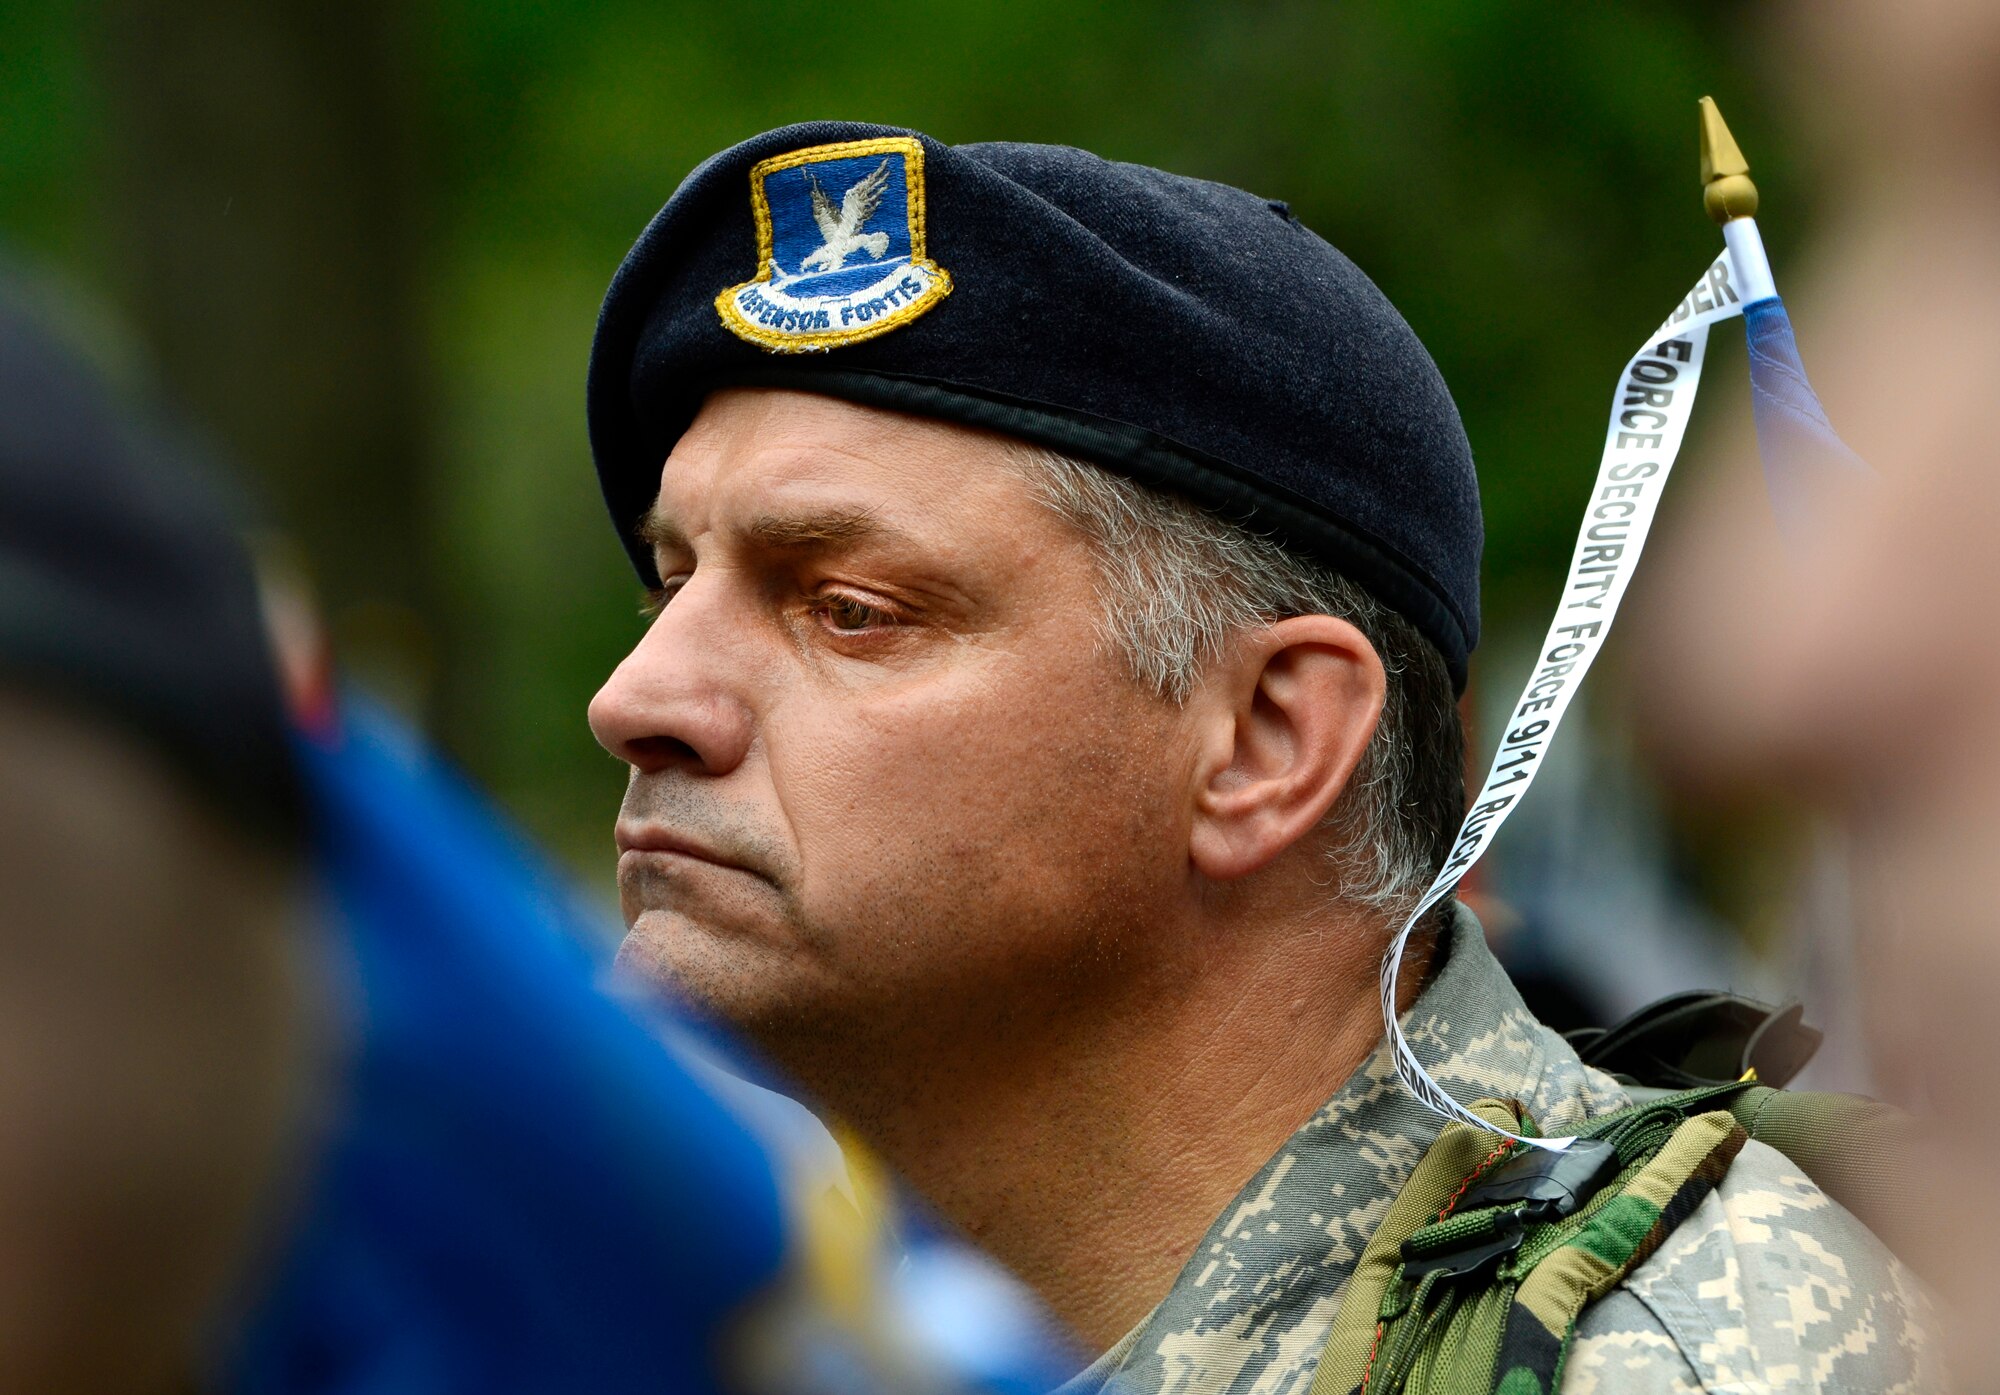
<point>1408,1326</point>
<point>1849,1145</point>
<point>1612,1239</point>
<point>1460,1153</point>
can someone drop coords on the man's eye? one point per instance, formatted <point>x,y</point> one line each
<point>847,615</point>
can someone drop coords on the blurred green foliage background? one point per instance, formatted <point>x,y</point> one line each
<point>363,244</point>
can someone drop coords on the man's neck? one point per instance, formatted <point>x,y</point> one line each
<point>1091,1157</point>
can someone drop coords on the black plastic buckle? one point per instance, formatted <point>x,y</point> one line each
<point>1547,1185</point>
<point>1470,1260</point>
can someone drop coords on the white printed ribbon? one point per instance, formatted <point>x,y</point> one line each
<point>1649,416</point>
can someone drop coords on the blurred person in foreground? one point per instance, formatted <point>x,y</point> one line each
<point>155,1018</point>
<point>1063,576</point>
<point>307,1085</point>
<point>1857,662</point>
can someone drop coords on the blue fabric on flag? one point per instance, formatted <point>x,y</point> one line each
<point>1802,453</point>
<point>524,1191</point>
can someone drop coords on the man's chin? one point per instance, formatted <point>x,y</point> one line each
<point>753,985</point>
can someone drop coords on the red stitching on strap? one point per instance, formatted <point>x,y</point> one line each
<point>1369,1373</point>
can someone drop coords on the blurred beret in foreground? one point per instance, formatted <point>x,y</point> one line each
<point>1186,334</point>
<point>124,587</point>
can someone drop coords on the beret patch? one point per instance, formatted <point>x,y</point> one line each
<point>840,247</point>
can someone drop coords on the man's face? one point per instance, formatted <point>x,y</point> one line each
<point>886,782</point>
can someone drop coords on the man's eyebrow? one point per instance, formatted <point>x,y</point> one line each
<point>827,528</point>
<point>661,533</point>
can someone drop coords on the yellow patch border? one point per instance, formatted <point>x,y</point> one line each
<point>912,152</point>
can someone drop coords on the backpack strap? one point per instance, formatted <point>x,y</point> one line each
<point>1460,1155</point>
<point>1615,1238</point>
<point>1474,1281</point>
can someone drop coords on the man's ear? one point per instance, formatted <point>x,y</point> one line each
<point>1283,721</point>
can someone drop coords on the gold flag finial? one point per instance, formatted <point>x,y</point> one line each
<point>1726,190</point>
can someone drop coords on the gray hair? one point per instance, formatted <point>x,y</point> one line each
<point>1178,583</point>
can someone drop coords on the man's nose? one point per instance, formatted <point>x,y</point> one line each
<point>670,702</point>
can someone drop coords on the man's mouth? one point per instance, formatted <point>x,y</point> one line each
<point>651,839</point>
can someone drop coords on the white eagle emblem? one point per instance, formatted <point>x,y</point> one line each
<point>842,230</point>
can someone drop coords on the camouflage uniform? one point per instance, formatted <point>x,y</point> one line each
<point>1768,1286</point>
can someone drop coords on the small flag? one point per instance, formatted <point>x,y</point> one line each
<point>1804,457</point>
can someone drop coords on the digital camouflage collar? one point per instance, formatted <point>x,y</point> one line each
<point>1253,1307</point>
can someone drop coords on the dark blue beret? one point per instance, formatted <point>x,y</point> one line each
<point>1186,334</point>
<point>124,588</point>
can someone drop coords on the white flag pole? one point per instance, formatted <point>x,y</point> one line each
<point>1731,200</point>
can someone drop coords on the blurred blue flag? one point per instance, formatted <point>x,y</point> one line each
<point>1803,455</point>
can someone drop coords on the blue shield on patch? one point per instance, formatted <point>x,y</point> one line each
<point>838,226</point>
<point>841,247</point>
